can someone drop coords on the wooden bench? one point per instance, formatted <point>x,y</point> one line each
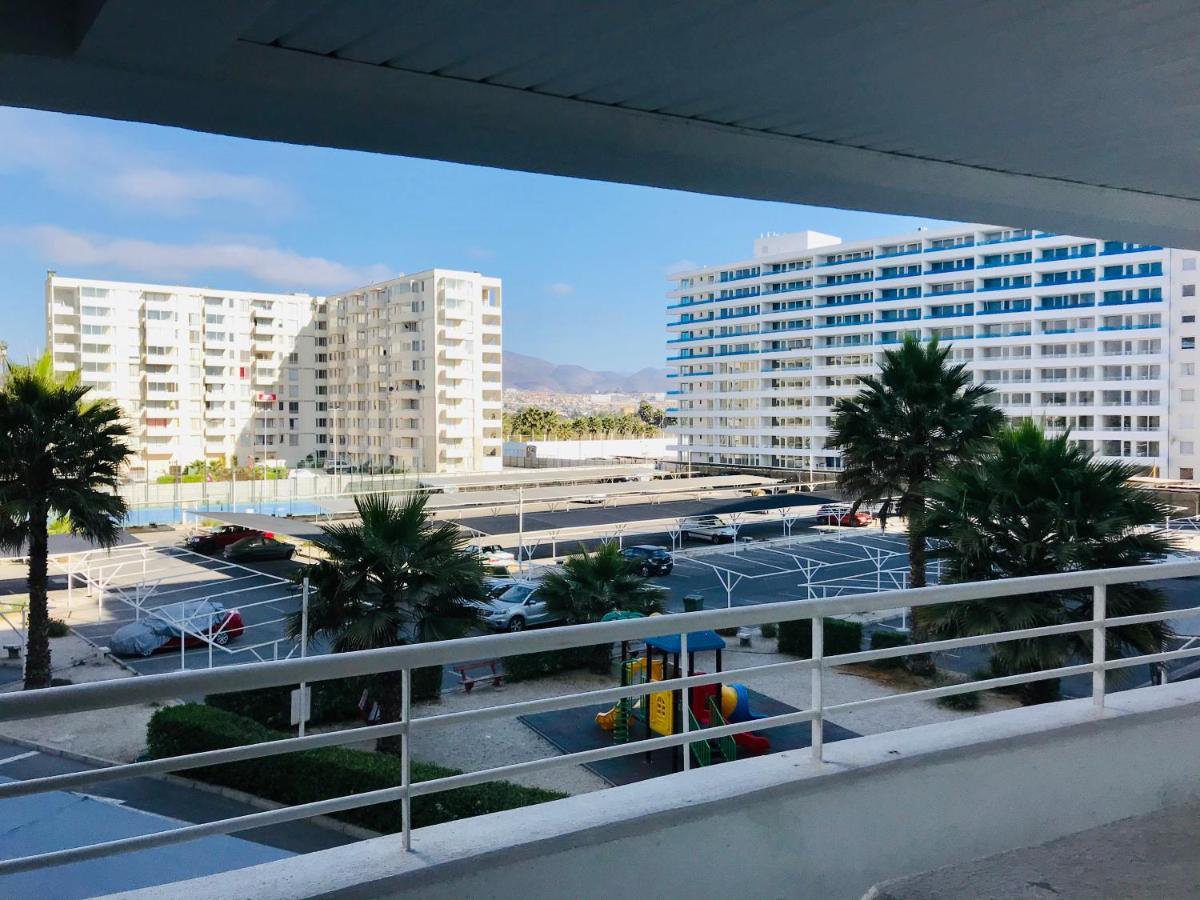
<point>490,671</point>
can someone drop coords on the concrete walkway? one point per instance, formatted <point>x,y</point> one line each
<point>1155,856</point>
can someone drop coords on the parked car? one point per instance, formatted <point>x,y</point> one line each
<point>193,621</point>
<point>592,498</point>
<point>649,559</point>
<point>494,558</point>
<point>517,608</point>
<point>219,538</point>
<point>839,514</point>
<point>710,528</point>
<point>259,547</point>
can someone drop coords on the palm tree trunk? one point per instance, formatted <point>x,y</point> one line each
<point>918,663</point>
<point>37,641</point>
<point>390,686</point>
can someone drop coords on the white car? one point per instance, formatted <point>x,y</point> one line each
<point>493,556</point>
<point>711,528</point>
<point>592,498</point>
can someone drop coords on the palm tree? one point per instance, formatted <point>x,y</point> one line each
<point>61,460</point>
<point>1034,505</point>
<point>395,577</point>
<point>588,585</point>
<point>916,416</point>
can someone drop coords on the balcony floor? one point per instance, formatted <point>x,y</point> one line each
<point>1157,855</point>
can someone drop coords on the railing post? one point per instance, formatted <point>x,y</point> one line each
<point>405,757</point>
<point>818,703</point>
<point>685,721</point>
<point>1099,613</point>
<point>303,649</point>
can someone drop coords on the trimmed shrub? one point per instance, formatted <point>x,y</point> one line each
<point>335,700</point>
<point>884,639</point>
<point>57,628</point>
<point>769,630</point>
<point>795,637</point>
<point>525,666</point>
<point>311,775</point>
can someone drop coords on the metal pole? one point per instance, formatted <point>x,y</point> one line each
<point>818,704</point>
<point>520,529</point>
<point>1099,613</point>
<point>182,640</point>
<point>405,757</point>
<point>303,646</point>
<point>685,722</point>
<point>210,638</point>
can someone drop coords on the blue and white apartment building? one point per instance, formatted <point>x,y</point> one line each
<point>1098,336</point>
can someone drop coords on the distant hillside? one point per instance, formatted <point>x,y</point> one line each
<point>532,374</point>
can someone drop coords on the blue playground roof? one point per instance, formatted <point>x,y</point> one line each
<point>697,641</point>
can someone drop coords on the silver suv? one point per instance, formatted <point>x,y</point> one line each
<point>517,608</point>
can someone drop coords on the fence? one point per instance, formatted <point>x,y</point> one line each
<point>103,695</point>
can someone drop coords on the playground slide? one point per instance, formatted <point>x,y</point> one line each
<point>754,744</point>
<point>608,719</point>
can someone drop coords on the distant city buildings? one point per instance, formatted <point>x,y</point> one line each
<point>1098,336</point>
<point>403,374</point>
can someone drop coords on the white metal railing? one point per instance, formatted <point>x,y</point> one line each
<point>109,694</point>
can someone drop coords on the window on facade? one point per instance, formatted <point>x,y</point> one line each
<point>1189,264</point>
<point>1186,474</point>
<point>1187,394</point>
<point>1189,290</point>
<point>1188,319</point>
<point>1188,343</point>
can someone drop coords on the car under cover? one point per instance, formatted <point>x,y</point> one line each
<point>143,637</point>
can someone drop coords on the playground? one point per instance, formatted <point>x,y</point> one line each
<point>659,713</point>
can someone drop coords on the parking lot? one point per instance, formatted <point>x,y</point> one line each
<point>143,582</point>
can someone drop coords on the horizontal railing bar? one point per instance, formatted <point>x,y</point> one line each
<point>975,640</point>
<point>582,757</point>
<point>965,687</point>
<point>1149,658</point>
<point>98,695</point>
<point>1140,618</point>
<point>370,798</point>
<point>604,695</point>
<point>166,765</point>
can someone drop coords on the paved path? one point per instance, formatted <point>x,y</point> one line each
<point>169,799</point>
<point>1155,856</point>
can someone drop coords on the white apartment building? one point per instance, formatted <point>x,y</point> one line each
<point>413,373</point>
<point>402,374</point>
<point>1098,336</point>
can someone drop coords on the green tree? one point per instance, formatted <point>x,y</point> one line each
<point>395,577</point>
<point>588,585</point>
<point>919,414</point>
<point>1035,505</point>
<point>916,416</point>
<point>61,460</point>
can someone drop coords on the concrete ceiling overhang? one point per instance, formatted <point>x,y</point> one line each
<point>1081,117</point>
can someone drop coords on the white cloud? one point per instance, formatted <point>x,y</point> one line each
<point>151,259</point>
<point>560,288</point>
<point>72,158</point>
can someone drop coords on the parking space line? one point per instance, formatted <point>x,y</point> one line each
<point>17,758</point>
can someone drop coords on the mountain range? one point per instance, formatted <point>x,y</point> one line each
<point>532,374</point>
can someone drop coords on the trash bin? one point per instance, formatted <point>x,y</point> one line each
<point>693,602</point>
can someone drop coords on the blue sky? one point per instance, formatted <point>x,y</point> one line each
<point>584,263</point>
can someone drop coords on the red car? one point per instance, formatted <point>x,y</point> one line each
<point>842,517</point>
<point>219,538</point>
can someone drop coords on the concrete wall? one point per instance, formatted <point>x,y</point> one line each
<point>881,806</point>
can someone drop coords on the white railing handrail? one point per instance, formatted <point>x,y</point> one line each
<point>306,670</point>
<point>169,685</point>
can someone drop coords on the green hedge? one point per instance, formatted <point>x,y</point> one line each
<point>335,700</point>
<point>320,774</point>
<point>883,639</point>
<point>524,666</point>
<point>795,637</point>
